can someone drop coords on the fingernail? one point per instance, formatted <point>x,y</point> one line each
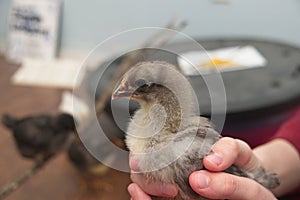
<point>214,158</point>
<point>169,190</point>
<point>201,180</point>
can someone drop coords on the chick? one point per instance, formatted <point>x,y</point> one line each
<point>166,136</point>
<point>89,168</point>
<point>42,136</point>
<point>91,171</point>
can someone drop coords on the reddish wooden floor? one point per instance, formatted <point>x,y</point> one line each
<point>58,179</point>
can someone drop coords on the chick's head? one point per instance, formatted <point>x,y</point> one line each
<point>157,82</point>
<point>145,81</point>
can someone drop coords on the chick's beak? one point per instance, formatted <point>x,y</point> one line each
<point>120,94</point>
<point>122,91</point>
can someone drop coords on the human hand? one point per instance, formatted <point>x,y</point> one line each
<point>212,184</point>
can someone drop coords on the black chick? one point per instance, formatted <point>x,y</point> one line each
<point>41,136</point>
<point>166,136</point>
<point>90,169</point>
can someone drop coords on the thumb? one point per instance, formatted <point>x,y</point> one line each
<point>228,151</point>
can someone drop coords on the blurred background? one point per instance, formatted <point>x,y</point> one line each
<point>37,75</point>
<point>86,24</point>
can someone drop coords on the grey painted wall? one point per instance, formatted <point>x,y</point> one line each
<point>86,23</point>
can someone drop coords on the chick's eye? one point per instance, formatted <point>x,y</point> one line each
<point>140,82</point>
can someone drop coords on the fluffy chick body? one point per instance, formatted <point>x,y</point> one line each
<point>166,136</point>
<point>183,140</point>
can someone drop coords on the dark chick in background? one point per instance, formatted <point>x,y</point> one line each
<point>90,170</point>
<point>41,136</point>
<point>166,136</point>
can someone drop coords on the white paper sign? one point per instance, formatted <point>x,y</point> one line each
<point>33,29</point>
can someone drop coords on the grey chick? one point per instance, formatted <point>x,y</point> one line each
<point>166,136</point>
